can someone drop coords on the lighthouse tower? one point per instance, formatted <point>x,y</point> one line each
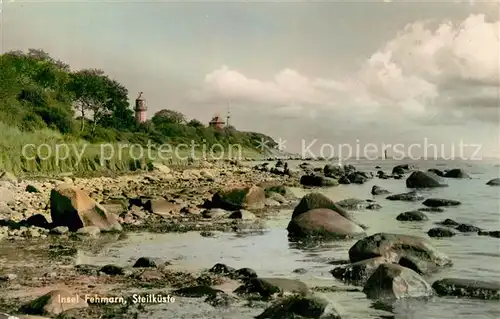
<point>140,109</point>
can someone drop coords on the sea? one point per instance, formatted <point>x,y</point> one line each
<point>270,253</point>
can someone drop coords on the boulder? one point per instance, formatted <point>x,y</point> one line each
<point>112,270</point>
<point>316,200</point>
<point>7,194</point>
<point>377,190</point>
<point>440,232</point>
<point>466,228</point>
<point>284,191</point>
<point>148,262</point>
<point>331,170</point>
<point>353,203</point>
<point>357,273</point>
<point>494,233</point>
<point>419,179</point>
<point>267,287</point>
<point>436,171</point>
<point>374,206</point>
<point>449,222</point>
<point>438,202</point>
<point>494,182</point>
<point>318,181</point>
<point>37,220</point>
<point>468,288</point>
<point>357,177</point>
<point>92,231</point>
<point>215,213</point>
<point>292,307</point>
<point>54,303</point>
<point>323,222</point>
<point>240,198</point>
<point>431,209</point>
<point>162,207</point>
<point>413,215</point>
<point>391,281</point>
<point>407,250</point>
<point>72,207</point>
<point>243,215</point>
<point>401,169</point>
<point>406,197</point>
<point>222,269</point>
<point>197,291</point>
<point>344,180</point>
<point>456,173</point>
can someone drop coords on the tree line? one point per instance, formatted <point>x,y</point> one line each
<point>38,92</point>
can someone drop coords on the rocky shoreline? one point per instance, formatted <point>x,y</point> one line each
<point>45,223</point>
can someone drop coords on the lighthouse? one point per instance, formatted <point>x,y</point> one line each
<point>140,109</point>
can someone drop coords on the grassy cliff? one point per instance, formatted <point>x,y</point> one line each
<point>54,119</point>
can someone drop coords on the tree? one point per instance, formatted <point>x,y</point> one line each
<point>195,123</point>
<point>168,116</point>
<point>95,93</point>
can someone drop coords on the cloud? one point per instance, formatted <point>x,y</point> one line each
<point>422,72</point>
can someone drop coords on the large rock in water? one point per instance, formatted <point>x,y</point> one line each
<point>316,200</point>
<point>494,182</point>
<point>323,222</point>
<point>267,287</point>
<point>357,273</point>
<point>72,207</point>
<point>318,181</point>
<point>292,307</point>
<point>456,173</point>
<point>391,281</point>
<point>419,179</point>
<point>467,288</point>
<point>438,202</point>
<point>240,198</point>
<point>410,251</point>
<point>406,197</point>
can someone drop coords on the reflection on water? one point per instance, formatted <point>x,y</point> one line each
<point>270,253</point>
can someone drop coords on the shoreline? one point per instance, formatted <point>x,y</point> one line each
<point>39,261</point>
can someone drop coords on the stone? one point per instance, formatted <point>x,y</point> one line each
<point>292,307</point>
<point>419,179</point>
<point>374,206</point>
<point>391,281</point>
<point>466,228</point>
<point>7,195</point>
<point>456,173</point>
<point>316,200</point>
<point>494,182</point>
<point>377,190</point>
<point>222,269</point>
<point>148,262</point>
<point>431,209</point>
<point>240,198</point>
<point>162,207</point>
<point>441,232</point>
<point>112,270</point>
<point>37,220</point>
<point>410,251</point>
<point>197,291</point>
<point>215,213</point>
<point>401,169</point>
<point>267,287</point>
<point>468,288</point>
<point>243,215</point>
<point>414,215</point>
<point>406,197</point>
<point>92,231</point>
<point>318,181</point>
<point>436,171</point>
<point>59,230</point>
<point>358,272</point>
<point>323,223</point>
<point>438,202</point>
<point>54,303</point>
<point>72,207</point>
<point>449,222</point>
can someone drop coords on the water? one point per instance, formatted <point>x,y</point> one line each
<point>270,253</point>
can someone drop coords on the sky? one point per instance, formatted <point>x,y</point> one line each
<point>304,72</point>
